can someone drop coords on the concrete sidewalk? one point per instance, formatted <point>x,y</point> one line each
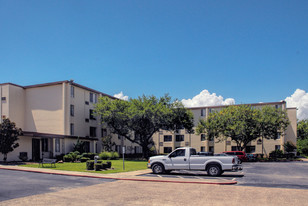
<point>129,176</point>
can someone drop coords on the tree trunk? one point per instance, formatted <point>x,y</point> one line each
<point>4,157</point>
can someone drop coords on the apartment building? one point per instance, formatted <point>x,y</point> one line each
<point>166,141</point>
<point>52,117</point>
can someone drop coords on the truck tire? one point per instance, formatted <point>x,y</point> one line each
<point>158,168</point>
<point>214,170</point>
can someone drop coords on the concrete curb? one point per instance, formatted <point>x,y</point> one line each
<point>58,172</point>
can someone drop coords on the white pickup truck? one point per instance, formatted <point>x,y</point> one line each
<point>186,158</point>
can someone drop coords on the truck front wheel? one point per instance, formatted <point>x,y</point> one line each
<point>158,168</point>
<point>214,170</point>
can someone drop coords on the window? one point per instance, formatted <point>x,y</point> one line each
<point>178,153</point>
<point>104,132</point>
<point>211,149</point>
<point>92,131</point>
<point>44,145</point>
<point>138,150</point>
<point>57,142</point>
<point>92,114</point>
<point>278,136</point>
<point>202,138</point>
<point>179,138</point>
<point>72,110</point>
<point>202,149</point>
<point>72,129</point>
<point>93,97</point>
<point>277,147</point>
<point>167,149</point>
<point>72,92</point>
<point>202,112</point>
<point>193,151</point>
<point>167,138</point>
<point>234,148</point>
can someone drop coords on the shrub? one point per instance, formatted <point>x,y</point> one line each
<point>108,164</point>
<point>67,158</point>
<point>114,155</point>
<point>90,164</point>
<point>74,156</point>
<point>98,166</point>
<point>89,155</point>
<point>289,146</point>
<point>84,159</point>
<point>104,166</point>
<point>105,155</point>
<point>276,154</point>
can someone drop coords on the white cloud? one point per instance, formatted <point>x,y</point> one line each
<point>299,99</point>
<point>205,98</point>
<point>121,96</point>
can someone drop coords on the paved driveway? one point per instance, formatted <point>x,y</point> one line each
<point>15,184</point>
<point>275,174</point>
<point>258,174</point>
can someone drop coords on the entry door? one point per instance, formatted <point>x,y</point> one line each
<point>179,160</point>
<point>35,149</point>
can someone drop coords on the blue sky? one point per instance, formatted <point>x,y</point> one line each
<point>251,51</point>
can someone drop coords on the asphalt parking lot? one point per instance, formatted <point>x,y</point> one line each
<point>291,175</point>
<point>15,184</point>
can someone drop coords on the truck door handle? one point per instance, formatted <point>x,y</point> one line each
<point>184,159</point>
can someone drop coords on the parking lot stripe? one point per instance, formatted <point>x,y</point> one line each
<point>159,176</point>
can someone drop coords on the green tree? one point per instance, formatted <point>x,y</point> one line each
<point>107,143</point>
<point>302,135</point>
<point>138,119</point>
<point>302,129</point>
<point>289,147</point>
<point>272,123</point>
<point>8,136</point>
<point>79,146</point>
<point>243,124</point>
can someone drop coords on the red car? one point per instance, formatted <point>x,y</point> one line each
<point>240,154</point>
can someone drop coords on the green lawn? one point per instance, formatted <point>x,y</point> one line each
<point>81,167</point>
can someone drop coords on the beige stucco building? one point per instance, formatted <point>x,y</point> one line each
<point>52,116</point>
<point>166,141</point>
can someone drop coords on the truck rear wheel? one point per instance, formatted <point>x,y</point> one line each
<point>158,168</point>
<point>214,170</point>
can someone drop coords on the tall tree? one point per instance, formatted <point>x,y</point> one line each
<point>302,129</point>
<point>243,123</point>
<point>138,119</point>
<point>302,135</point>
<point>8,136</point>
<point>272,123</point>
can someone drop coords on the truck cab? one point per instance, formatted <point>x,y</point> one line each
<point>186,158</point>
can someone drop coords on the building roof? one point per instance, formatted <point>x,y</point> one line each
<point>253,104</point>
<point>61,82</point>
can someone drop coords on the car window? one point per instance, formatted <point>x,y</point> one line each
<point>193,151</point>
<point>230,153</point>
<point>180,152</point>
<point>239,153</point>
